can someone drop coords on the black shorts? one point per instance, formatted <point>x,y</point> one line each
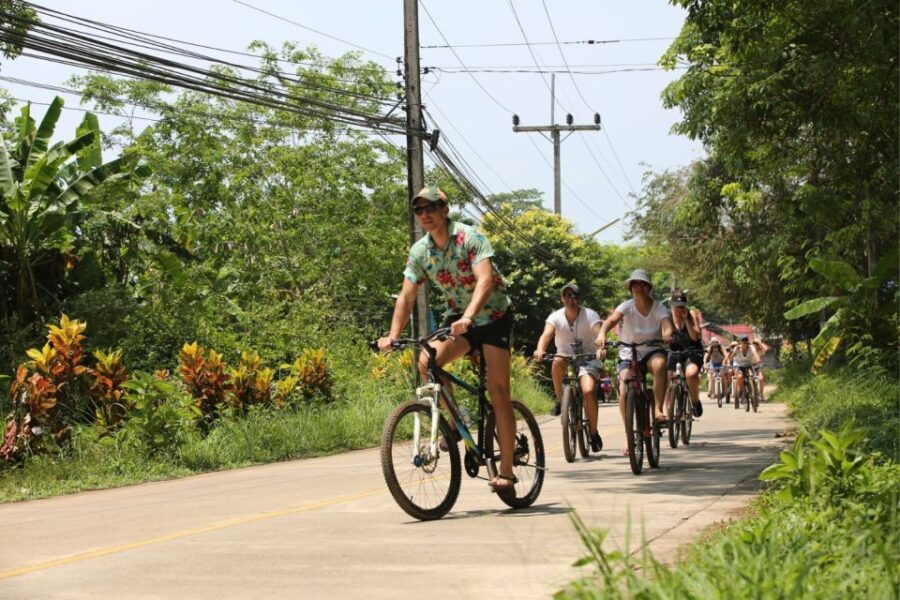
<point>496,333</point>
<point>695,358</point>
<point>626,364</point>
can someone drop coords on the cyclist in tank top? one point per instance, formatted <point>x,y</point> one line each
<point>686,337</point>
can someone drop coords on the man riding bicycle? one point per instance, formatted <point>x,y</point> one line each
<point>642,319</point>
<point>457,260</point>
<point>573,329</point>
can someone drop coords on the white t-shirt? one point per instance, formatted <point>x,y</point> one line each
<point>636,327</point>
<point>739,359</point>
<point>581,330</point>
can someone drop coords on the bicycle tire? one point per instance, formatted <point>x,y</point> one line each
<point>583,431</point>
<point>634,430</point>
<point>652,442</point>
<point>569,433</point>
<point>719,392</point>
<point>687,424</point>
<point>755,396</point>
<point>672,412</point>
<point>748,395</point>
<point>392,440</point>
<point>528,461</point>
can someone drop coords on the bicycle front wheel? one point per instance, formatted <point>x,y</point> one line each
<point>674,394</point>
<point>634,430</point>
<point>423,480</point>
<point>568,419</point>
<point>528,457</point>
<point>583,429</point>
<point>688,422</point>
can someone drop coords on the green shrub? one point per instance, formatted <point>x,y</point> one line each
<point>161,417</point>
<point>833,535</point>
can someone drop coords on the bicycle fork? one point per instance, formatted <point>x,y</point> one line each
<point>429,392</point>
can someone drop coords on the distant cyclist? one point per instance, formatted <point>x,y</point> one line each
<point>713,360</point>
<point>761,348</point>
<point>743,357</point>
<point>686,337</point>
<point>642,318</point>
<point>573,329</point>
<point>457,261</point>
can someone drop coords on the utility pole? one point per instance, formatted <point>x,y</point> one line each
<point>415,178</point>
<point>555,130</point>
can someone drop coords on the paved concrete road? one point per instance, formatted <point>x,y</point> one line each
<point>328,528</point>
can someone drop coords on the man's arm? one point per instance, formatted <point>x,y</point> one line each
<point>402,309</point>
<point>544,341</point>
<point>667,329</point>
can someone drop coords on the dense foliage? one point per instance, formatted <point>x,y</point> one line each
<point>797,105</point>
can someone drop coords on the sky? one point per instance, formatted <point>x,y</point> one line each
<point>595,190</point>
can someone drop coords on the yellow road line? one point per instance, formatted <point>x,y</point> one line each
<point>186,533</point>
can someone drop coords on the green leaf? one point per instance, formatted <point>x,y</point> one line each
<point>92,156</point>
<point>825,353</point>
<point>886,266</point>
<point>810,306</point>
<point>830,329</point>
<point>7,179</point>
<point>44,133</point>
<point>836,271</point>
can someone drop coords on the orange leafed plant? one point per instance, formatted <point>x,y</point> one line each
<point>106,388</point>
<point>204,378</point>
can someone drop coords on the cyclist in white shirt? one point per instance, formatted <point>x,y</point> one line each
<point>573,329</point>
<point>642,319</point>
<point>743,357</point>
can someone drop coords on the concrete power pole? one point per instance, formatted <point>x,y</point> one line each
<point>415,161</point>
<point>555,130</point>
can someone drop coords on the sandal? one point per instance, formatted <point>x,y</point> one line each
<point>496,486</point>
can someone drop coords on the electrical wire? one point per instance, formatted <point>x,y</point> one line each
<point>589,107</point>
<point>509,44</point>
<point>308,28</point>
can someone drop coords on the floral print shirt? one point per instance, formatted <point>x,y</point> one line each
<point>450,270</point>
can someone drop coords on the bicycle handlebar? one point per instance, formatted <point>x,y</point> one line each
<point>439,334</point>
<point>621,344</point>
<point>571,358</point>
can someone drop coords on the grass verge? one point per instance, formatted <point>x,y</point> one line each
<point>827,528</point>
<point>262,436</point>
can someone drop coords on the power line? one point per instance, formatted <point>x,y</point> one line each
<point>544,70</point>
<point>589,107</point>
<point>71,45</point>
<point>308,28</point>
<point>533,56</point>
<point>446,45</point>
<point>460,60</point>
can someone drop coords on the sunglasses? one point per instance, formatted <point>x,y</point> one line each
<point>570,295</point>
<point>425,208</point>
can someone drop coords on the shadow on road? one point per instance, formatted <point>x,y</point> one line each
<point>531,511</point>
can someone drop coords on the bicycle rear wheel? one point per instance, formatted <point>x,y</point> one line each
<point>528,458</point>
<point>568,420</point>
<point>423,482</point>
<point>634,430</point>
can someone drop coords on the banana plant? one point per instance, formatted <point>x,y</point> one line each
<point>42,189</point>
<point>856,305</point>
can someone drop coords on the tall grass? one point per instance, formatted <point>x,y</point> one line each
<point>828,528</point>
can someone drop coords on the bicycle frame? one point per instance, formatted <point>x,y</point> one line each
<point>434,389</point>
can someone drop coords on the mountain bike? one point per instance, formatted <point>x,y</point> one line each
<point>419,451</point>
<point>641,427</point>
<point>573,410</point>
<point>678,399</point>
<point>749,392</point>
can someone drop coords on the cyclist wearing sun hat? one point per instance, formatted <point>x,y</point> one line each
<point>456,258</point>
<point>642,319</point>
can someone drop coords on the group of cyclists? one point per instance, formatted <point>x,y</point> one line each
<point>457,260</point>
